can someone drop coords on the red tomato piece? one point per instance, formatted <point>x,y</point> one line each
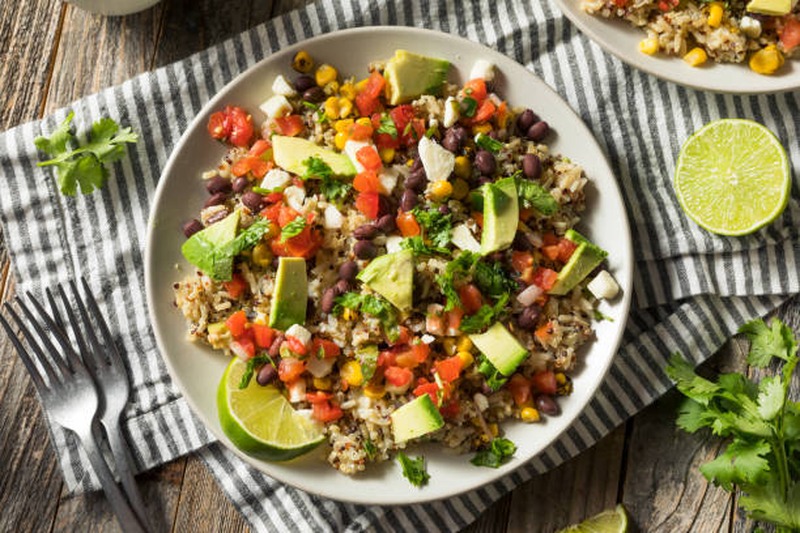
<point>263,335</point>
<point>286,215</point>
<point>236,286</point>
<point>448,369</point>
<point>485,112</point>
<point>243,348</point>
<point>401,116</point>
<point>545,382</point>
<point>545,278</point>
<point>408,225</point>
<point>296,345</point>
<point>237,323</point>
<point>324,347</point>
<point>318,396</point>
<point>520,388</point>
<point>550,251</point>
<point>368,203</point>
<point>366,181</point>
<point>565,249</point>
<point>450,409</point>
<point>360,132</point>
<point>431,389</point>
<point>233,124</point>
<point>217,126</point>
<point>273,197</point>
<point>398,376</point>
<point>290,125</point>
<point>290,368</point>
<point>471,298</point>
<point>790,34</point>
<point>272,212</point>
<point>386,358</point>
<point>476,89</point>
<point>259,148</point>
<point>521,260</point>
<point>368,100</point>
<point>369,158</point>
<point>403,337</point>
<point>326,411</point>
<point>257,166</point>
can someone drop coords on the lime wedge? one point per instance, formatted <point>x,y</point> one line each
<point>610,521</point>
<point>260,421</point>
<point>732,177</point>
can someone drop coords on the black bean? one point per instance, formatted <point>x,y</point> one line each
<point>348,270</point>
<point>385,206</point>
<point>218,184</point>
<point>525,120</point>
<point>538,131</point>
<point>191,227</point>
<point>522,243</point>
<point>303,83</point>
<point>409,200</point>
<point>451,142</point>
<point>266,375</point>
<point>365,232</point>
<point>417,180</point>
<point>386,223</point>
<point>531,166</point>
<point>240,184</point>
<point>252,201</point>
<point>328,300</point>
<point>443,209</point>
<point>216,199</point>
<point>485,163</point>
<point>547,405</point>
<point>314,95</point>
<point>342,286</point>
<point>527,320</point>
<point>275,347</point>
<point>460,133</point>
<point>365,250</point>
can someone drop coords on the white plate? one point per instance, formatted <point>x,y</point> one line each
<point>622,39</point>
<point>196,370</point>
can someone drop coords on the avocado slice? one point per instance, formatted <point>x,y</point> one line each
<point>392,276</point>
<point>415,419</point>
<point>409,76</point>
<point>501,348</point>
<point>291,294</point>
<point>500,215</point>
<point>203,248</point>
<point>291,154</point>
<point>584,259</point>
<point>775,8</point>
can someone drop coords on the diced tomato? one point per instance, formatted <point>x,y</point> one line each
<point>360,132</point>
<point>386,140</point>
<point>217,127</point>
<point>544,332</point>
<point>369,158</point>
<point>236,286</point>
<point>411,355</point>
<point>296,345</point>
<point>478,217</point>
<point>273,197</point>
<point>403,337</point>
<point>409,129</point>
<point>259,148</point>
<point>450,409</point>
<point>406,359</point>
<point>290,368</point>
<point>453,319</point>
<point>303,245</point>
<point>545,278</point>
<point>233,124</point>
<point>325,411</point>
<point>286,215</point>
<point>327,348</point>
<point>420,350</point>
<point>318,397</point>
<point>485,112</point>
<point>243,348</point>
<point>366,181</point>
<point>471,298</point>
<point>401,116</point>
<point>448,369</point>
<point>790,33</point>
<point>544,382</point>
<point>525,213</point>
<point>237,323</point>
<point>368,203</point>
<point>272,212</point>
<point>368,100</point>
<point>408,225</point>
<point>431,389</point>
<point>290,125</point>
<point>398,376</point>
<point>255,165</point>
<point>565,249</point>
<point>387,358</point>
<point>520,388</point>
<point>521,260</point>
<point>476,89</point>
<point>549,238</point>
<point>263,335</point>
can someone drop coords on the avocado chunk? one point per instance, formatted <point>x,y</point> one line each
<point>775,8</point>
<point>409,76</point>
<point>203,249</point>
<point>392,276</point>
<point>501,348</point>
<point>500,215</point>
<point>584,259</point>
<point>291,154</point>
<point>415,419</point>
<point>291,294</point>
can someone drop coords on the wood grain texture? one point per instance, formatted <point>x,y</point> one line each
<point>200,507</point>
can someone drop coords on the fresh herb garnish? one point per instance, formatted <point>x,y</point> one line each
<point>309,105</point>
<point>763,455</point>
<point>500,449</point>
<point>487,143</point>
<point>433,130</point>
<point>438,226</point>
<point>316,167</point>
<point>459,267</point>
<point>253,363</point>
<point>372,305</point>
<point>417,245</point>
<point>493,280</point>
<point>262,190</point>
<point>485,316</point>
<point>332,188</point>
<point>414,469</point>
<point>293,228</point>
<point>599,316</point>
<point>494,379</point>
<point>387,126</point>
<point>468,106</point>
<point>83,165</point>
<point>216,260</point>
<point>370,449</point>
<point>537,197</point>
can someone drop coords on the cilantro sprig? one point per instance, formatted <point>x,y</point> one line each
<point>762,457</point>
<point>500,449</point>
<point>82,165</point>
<point>293,228</point>
<point>333,189</point>
<point>414,469</point>
<point>537,197</point>
<point>372,305</point>
<point>438,226</point>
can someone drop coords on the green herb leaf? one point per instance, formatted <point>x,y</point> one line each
<point>316,168</point>
<point>417,245</point>
<point>500,449</point>
<point>537,197</point>
<point>493,280</point>
<point>494,379</point>
<point>487,143</point>
<point>741,462</point>
<point>438,226</point>
<point>370,304</point>
<point>370,449</point>
<point>766,342</point>
<point>253,363</point>
<point>459,267</point>
<point>468,106</point>
<point>485,316</point>
<point>293,228</point>
<point>334,189</point>
<point>414,469</point>
<point>387,126</point>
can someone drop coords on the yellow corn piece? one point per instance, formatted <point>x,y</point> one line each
<point>323,383</point>
<point>262,255</point>
<point>348,90</point>
<point>464,343</point>
<point>331,107</point>
<point>349,314</point>
<point>561,378</point>
<point>361,84</point>
<point>364,121</point>
<point>460,189</point>
<point>342,126</point>
<point>482,128</point>
<point>345,107</point>
<point>374,391</point>
<point>466,358</point>
<point>387,155</point>
<point>649,46</point>
<point>493,429</point>
<point>696,57</point>
<point>529,414</point>
<point>441,190</point>
<point>339,140</point>
<point>325,74</point>
<point>302,62</point>
<point>331,88</point>
<point>715,11</point>
<point>462,166</point>
<point>351,373</point>
<point>767,60</point>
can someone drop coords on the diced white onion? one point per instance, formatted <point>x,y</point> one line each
<point>295,196</point>
<point>333,218</point>
<point>482,69</point>
<point>437,161</point>
<point>393,243</point>
<point>282,86</point>
<point>427,339</point>
<point>387,180</point>
<point>604,286</point>
<point>451,112</point>
<point>300,333</point>
<point>277,106</point>
<point>319,367</point>
<point>463,239</point>
<point>529,295</point>
<point>275,179</point>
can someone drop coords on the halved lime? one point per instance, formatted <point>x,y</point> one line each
<point>610,521</point>
<point>732,177</point>
<point>260,421</point>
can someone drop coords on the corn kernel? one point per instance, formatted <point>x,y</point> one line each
<point>482,128</point>
<point>351,373</point>
<point>387,155</point>
<point>493,429</point>
<point>331,88</point>
<point>449,345</point>
<point>348,90</point>
<point>345,107</point>
<point>325,74</point>
<point>466,358</point>
<point>649,46</point>
<point>767,60</point>
<point>441,190</point>
<point>715,12</point>
<point>529,414</point>
<point>262,255</point>
<point>364,121</point>
<point>323,383</point>
<point>696,57</point>
<point>331,107</point>
<point>349,314</point>
<point>462,166</point>
<point>302,62</point>
<point>342,126</point>
<point>339,140</point>
<point>361,85</point>
<point>464,343</point>
<point>460,189</point>
<point>374,391</point>
<point>561,378</point>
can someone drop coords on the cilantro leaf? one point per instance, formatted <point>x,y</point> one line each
<point>741,462</point>
<point>370,449</point>
<point>459,267</point>
<point>768,503</point>
<point>438,226</point>
<point>690,384</point>
<point>775,340</point>
<point>60,140</point>
<point>500,449</point>
<point>414,469</point>
<point>417,245</point>
<point>316,167</point>
<point>488,143</point>
<point>771,396</point>
<point>387,126</point>
<point>537,197</point>
<point>334,189</point>
<point>372,305</point>
<point>293,228</point>
<point>493,280</point>
<point>485,316</point>
<point>252,363</point>
<point>494,379</point>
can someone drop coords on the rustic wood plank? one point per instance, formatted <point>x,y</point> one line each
<point>494,519</point>
<point>203,507</point>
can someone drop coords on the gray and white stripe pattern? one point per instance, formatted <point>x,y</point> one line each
<point>692,289</point>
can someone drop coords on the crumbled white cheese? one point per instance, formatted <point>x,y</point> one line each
<point>295,197</point>
<point>351,148</point>
<point>750,26</point>
<point>603,286</point>
<point>300,333</point>
<point>482,69</point>
<point>451,112</point>
<point>437,161</point>
<point>333,218</point>
<point>275,179</point>
<point>427,339</point>
<point>393,243</point>
<point>282,86</point>
<point>277,106</point>
<point>463,239</point>
<point>387,180</point>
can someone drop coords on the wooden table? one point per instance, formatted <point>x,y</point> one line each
<point>51,54</point>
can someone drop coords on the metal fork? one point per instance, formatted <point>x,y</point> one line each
<point>67,393</point>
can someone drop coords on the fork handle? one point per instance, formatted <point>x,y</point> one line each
<point>124,463</point>
<point>125,515</point>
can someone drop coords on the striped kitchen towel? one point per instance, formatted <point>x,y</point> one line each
<point>692,289</point>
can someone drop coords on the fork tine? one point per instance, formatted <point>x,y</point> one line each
<point>61,338</point>
<point>73,321</point>
<point>73,358</point>
<point>104,331</point>
<point>53,375</point>
<point>54,309</point>
<point>23,354</point>
<point>87,322</point>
